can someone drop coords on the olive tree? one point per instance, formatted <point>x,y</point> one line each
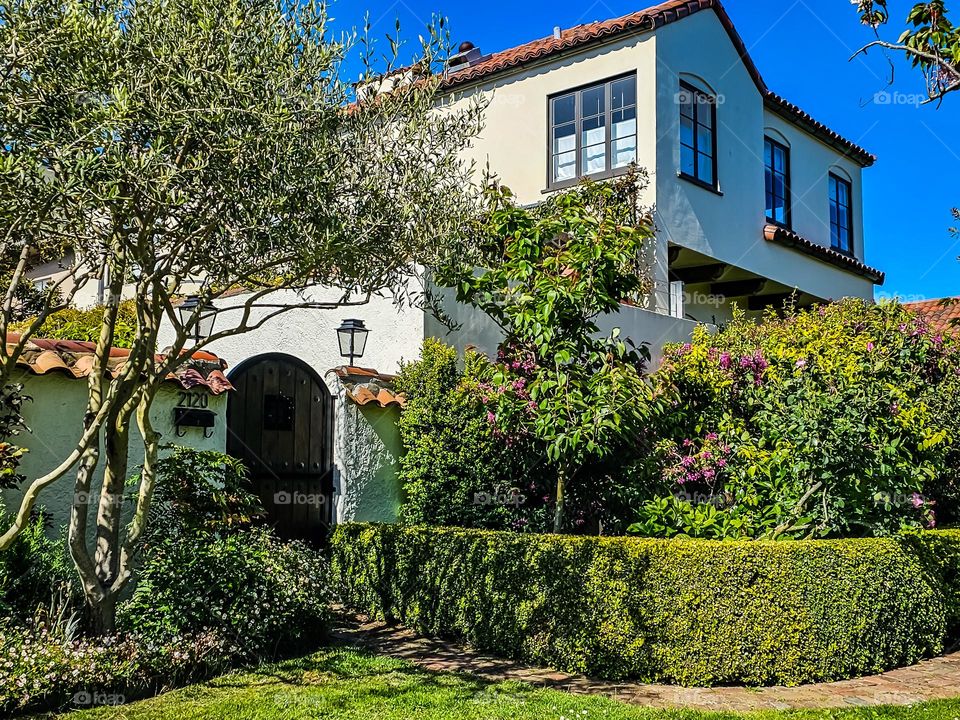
<point>166,146</point>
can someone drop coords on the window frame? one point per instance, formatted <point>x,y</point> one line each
<point>838,179</point>
<point>787,184</point>
<point>610,171</point>
<point>698,93</point>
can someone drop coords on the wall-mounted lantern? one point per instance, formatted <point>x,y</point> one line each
<point>352,335</point>
<point>208,314</point>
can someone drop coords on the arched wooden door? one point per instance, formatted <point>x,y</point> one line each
<point>280,421</point>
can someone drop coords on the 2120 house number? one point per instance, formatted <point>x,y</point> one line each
<point>192,400</point>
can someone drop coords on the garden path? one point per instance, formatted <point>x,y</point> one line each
<point>930,680</point>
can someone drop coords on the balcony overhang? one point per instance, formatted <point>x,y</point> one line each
<point>789,239</point>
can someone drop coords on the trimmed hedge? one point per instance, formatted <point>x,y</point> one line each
<point>685,611</point>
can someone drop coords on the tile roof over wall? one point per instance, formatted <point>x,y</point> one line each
<point>365,385</point>
<point>941,315</point>
<point>788,238</point>
<point>646,21</point>
<point>74,359</point>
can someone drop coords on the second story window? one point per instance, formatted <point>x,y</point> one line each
<point>593,131</point>
<point>776,157</point>
<point>841,214</point>
<point>698,138</point>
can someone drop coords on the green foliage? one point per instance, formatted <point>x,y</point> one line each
<point>546,276</point>
<point>84,324</point>
<point>836,421</point>
<point>34,570</point>
<point>454,470</point>
<point>687,611</point>
<point>264,597</point>
<point>11,425</point>
<point>200,490</point>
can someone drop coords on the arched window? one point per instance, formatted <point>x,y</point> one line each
<point>698,133</point>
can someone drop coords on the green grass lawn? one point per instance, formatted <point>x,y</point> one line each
<point>342,684</point>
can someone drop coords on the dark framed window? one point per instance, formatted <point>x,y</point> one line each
<point>593,131</point>
<point>776,158</point>
<point>698,136</point>
<point>841,214</point>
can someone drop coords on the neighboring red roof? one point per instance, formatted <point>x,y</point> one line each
<point>365,386</point>
<point>74,359</point>
<point>942,315</point>
<point>788,238</point>
<point>645,21</point>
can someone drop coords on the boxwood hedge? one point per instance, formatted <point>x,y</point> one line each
<point>686,611</point>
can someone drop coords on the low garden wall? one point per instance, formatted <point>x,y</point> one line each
<point>684,611</point>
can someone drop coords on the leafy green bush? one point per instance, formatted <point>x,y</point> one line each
<point>842,420</point>
<point>262,595</point>
<point>455,470</point>
<point>687,611</point>
<point>84,324</point>
<point>33,570</point>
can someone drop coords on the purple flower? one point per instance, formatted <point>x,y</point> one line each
<point>712,436</point>
<point>725,360</point>
<point>721,463</point>
<point>801,363</point>
<point>916,500</point>
<point>491,418</point>
<point>707,455</point>
<point>687,461</point>
<point>870,347</point>
<point>688,443</point>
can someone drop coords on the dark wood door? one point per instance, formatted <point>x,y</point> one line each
<point>280,421</point>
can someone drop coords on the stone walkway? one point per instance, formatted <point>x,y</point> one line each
<point>931,680</point>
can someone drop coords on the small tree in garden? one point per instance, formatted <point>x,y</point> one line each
<point>836,421</point>
<point>546,275</point>
<point>158,145</point>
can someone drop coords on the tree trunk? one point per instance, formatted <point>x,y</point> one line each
<point>562,475</point>
<point>103,614</point>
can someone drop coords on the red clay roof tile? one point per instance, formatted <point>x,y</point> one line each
<point>788,238</point>
<point>942,315</point>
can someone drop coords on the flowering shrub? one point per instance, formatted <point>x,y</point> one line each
<point>836,421</point>
<point>256,592</point>
<point>462,466</point>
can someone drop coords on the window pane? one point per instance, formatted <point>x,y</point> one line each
<point>594,131</point>
<point>767,154</point>
<point>779,160</point>
<point>595,158</point>
<point>686,160</point>
<point>705,110</point>
<point>768,184</point>
<point>564,110</point>
<point>685,98</point>
<point>833,188</point>
<point>565,166</point>
<point>624,93</point>
<point>592,101</point>
<point>624,122</point>
<point>624,151</point>
<point>704,140</point>
<point>834,215</point>
<point>779,189</point>
<point>844,193</point>
<point>686,131</point>
<point>705,168</point>
<point>565,138</point>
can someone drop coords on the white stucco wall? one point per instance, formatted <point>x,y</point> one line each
<point>729,227</point>
<point>55,416</point>
<point>366,439</point>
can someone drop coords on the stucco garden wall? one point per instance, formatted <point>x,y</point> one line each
<point>55,414</point>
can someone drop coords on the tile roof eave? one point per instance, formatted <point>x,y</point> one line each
<point>539,51</point>
<point>789,239</point>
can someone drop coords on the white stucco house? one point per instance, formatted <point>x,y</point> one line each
<point>755,202</point>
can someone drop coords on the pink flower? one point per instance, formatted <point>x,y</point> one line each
<point>870,347</point>
<point>801,363</point>
<point>725,360</point>
<point>721,463</point>
<point>491,418</point>
<point>916,500</point>
<point>712,436</point>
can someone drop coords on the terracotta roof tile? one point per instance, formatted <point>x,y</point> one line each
<point>645,21</point>
<point>790,239</point>
<point>365,385</point>
<point>942,315</point>
<point>75,359</point>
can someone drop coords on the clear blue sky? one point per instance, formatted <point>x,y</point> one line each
<point>802,48</point>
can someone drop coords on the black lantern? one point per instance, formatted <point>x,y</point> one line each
<point>207,314</point>
<point>353,339</point>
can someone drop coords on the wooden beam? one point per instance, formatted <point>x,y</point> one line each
<point>699,274</point>
<point>739,288</point>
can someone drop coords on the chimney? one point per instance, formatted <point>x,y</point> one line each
<point>556,32</point>
<point>467,54</point>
